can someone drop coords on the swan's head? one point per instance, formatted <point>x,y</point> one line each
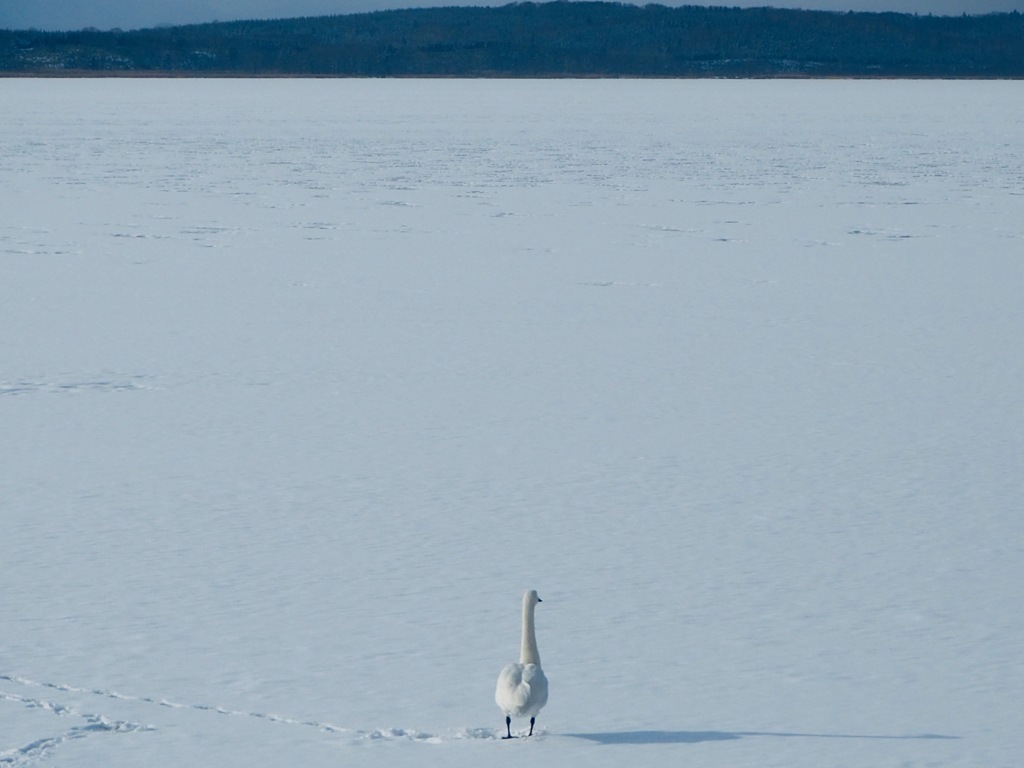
<point>531,598</point>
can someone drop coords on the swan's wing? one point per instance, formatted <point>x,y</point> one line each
<point>537,681</point>
<point>511,693</point>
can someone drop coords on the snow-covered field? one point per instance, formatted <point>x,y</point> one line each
<point>303,383</point>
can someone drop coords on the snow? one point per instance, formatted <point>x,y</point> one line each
<point>302,383</point>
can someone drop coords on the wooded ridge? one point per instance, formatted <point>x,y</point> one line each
<point>555,39</point>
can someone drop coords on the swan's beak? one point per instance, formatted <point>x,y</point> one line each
<point>539,600</point>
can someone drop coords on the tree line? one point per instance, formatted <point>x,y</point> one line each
<point>554,39</point>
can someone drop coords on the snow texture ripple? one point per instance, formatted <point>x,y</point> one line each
<point>302,383</point>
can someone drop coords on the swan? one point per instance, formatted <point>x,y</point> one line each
<point>522,688</point>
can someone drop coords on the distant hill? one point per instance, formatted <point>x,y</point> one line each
<point>557,39</point>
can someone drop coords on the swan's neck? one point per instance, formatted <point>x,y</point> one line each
<point>528,653</point>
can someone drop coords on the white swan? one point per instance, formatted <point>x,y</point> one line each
<point>522,688</point>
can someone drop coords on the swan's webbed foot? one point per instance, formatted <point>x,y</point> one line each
<point>508,727</point>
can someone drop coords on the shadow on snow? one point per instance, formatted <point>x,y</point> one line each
<point>695,737</point>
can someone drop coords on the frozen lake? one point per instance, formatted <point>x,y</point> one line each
<point>302,383</point>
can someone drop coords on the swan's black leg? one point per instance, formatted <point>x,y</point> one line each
<point>532,719</point>
<point>508,727</point>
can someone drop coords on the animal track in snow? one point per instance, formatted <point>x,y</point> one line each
<point>98,723</point>
<point>36,749</point>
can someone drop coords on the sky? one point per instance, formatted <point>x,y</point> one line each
<point>135,14</point>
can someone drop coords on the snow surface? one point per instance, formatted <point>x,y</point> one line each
<point>302,383</point>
